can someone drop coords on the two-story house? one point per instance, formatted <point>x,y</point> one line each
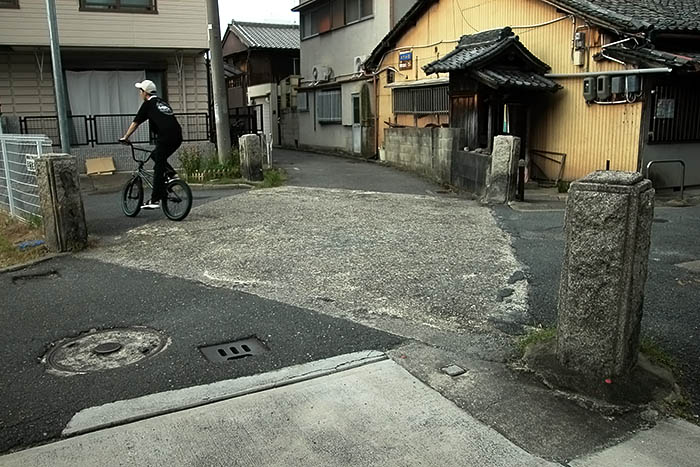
<point>588,84</point>
<point>259,56</point>
<point>106,47</point>
<point>336,97</point>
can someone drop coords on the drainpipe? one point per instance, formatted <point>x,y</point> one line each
<point>376,115</point>
<point>643,71</point>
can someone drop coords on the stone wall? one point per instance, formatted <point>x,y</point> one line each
<point>289,128</point>
<point>427,151</point>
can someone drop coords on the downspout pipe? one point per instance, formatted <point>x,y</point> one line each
<point>643,71</point>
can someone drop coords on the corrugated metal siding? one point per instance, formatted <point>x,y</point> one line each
<point>589,135</point>
<point>178,24</point>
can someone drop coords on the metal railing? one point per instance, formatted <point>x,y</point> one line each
<point>19,193</point>
<point>92,130</point>
<point>667,161</point>
<point>548,156</point>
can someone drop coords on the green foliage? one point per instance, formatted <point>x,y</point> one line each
<point>536,336</point>
<point>273,178</point>
<point>191,160</point>
<point>35,222</point>
<point>563,186</point>
<point>656,354</point>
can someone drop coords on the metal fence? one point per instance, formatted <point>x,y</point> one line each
<point>19,194</point>
<point>91,130</point>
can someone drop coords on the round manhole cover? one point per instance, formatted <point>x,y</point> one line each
<point>106,349</point>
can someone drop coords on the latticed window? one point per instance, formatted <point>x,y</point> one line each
<point>9,3</point>
<point>127,6</point>
<point>329,106</point>
<point>422,100</point>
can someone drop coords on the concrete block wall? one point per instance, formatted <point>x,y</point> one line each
<point>289,128</point>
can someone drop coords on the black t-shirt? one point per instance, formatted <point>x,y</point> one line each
<point>160,116</point>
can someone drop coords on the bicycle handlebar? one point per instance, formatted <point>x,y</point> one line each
<point>126,142</point>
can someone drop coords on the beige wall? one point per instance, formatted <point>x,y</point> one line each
<point>31,92</point>
<point>178,24</point>
<point>589,134</point>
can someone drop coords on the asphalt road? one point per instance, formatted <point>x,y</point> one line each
<point>81,295</point>
<point>671,314</point>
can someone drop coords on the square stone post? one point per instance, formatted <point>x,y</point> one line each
<point>608,233</point>
<point>61,203</point>
<point>251,157</point>
<point>502,178</point>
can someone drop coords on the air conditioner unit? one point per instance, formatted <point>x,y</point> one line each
<point>357,64</point>
<point>321,73</point>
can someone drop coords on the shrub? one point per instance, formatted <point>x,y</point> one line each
<point>191,160</point>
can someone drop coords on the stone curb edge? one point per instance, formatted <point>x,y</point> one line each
<point>18,267</point>
<point>154,405</point>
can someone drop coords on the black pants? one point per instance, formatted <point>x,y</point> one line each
<point>160,154</point>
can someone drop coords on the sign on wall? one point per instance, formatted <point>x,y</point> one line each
<point>405,60</point>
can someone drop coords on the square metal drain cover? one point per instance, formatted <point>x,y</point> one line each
<point>234,350</point>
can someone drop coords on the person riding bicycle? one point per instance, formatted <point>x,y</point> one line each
<point>169,136</point>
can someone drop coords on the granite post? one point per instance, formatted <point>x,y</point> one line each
<point>608,232</point>
<point>502,178</point>
<point>61,203</point>
<point>251,157</point>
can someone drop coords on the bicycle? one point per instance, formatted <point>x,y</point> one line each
<point>176,205</point>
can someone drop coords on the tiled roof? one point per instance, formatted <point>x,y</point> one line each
<point>638,15</point>
<point>475,50</point>
<point>503,78</point>
<point>480,55</point>
<point>648,57</point>
<point>267,36</point>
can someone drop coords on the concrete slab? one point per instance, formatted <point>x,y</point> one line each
<point>692,266</point>
<point>670,442</point>
<point>377,414</point>
<point>139,408</point>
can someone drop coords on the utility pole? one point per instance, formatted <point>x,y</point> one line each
<point>59,85</point>
<point>223,136</point>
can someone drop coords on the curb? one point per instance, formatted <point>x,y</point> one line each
<point>153,405</point>
<point>223,186</point>
<point>17,267</point>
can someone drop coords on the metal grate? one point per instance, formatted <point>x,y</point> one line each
<point>421,100</point>
<point>234,350</point>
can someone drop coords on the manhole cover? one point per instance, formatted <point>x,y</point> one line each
<point>234,350</point>
<point>105,350</point>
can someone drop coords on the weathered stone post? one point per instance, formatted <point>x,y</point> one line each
<point>608,233</point>
<point>61,203</point>
<point>501,180</point>
<point>251,157</point>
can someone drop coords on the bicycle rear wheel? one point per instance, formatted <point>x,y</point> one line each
<point>132,197</point>
<point>178,202</point>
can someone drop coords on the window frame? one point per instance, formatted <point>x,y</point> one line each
<point>153,10</point>
<point>10,4</point>
<point>307,16</point>
<point>332,119</point>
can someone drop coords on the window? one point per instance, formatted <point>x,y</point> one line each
<point>9,3</point>
<point>421,100</point>
<point>333,14</point>
<point>357,9</point>
<point>675,117</point>
<point>125,6</point>
<point>295,66</point>
<point>390,77</point>
<point>302,102</point>
<point>328,106</point>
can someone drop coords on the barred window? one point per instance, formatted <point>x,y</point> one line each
<point>128,6</point>
<point>421,100</point>
<point>676,114</point>
<point>328,106</point>
<point>303,101</point>
<point>9,3</point>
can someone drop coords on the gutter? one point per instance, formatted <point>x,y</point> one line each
<point>643,71</point>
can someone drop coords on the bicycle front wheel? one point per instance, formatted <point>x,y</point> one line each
<point>132,197</point>
<point>178,202</point>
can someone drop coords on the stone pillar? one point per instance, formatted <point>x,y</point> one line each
<point>501,182</point>
<point>61,203</point>
<point>251,157</point>
<point>608,233</point>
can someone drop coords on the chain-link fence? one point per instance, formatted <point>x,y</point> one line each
<point>19,194</point>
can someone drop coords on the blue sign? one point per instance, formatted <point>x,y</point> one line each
<point>405,56</point>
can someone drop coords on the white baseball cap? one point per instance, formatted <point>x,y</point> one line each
<point>147,86</point>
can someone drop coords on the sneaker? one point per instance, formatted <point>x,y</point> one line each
<point>151,205</point>
<point>171,176</point>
